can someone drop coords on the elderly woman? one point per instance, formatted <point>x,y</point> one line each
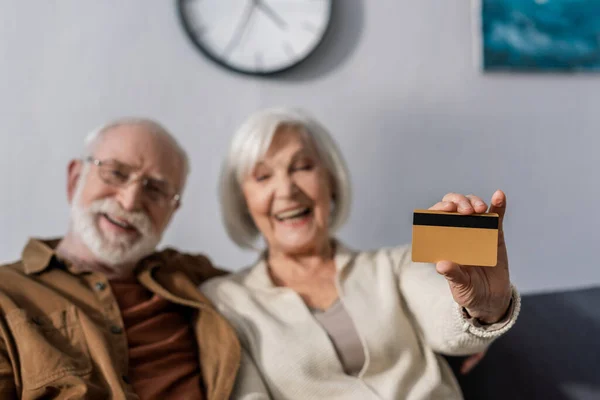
<point>318,320</point>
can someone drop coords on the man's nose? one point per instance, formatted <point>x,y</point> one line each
<point>130,196</point>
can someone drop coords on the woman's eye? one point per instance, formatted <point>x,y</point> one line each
<point>260,178</point>
<point>303,167</point>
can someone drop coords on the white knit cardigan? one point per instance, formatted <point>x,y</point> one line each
<point>404,315</point>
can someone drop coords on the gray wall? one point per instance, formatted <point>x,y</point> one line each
<point>395,82</point>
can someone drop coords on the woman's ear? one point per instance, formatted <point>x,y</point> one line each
<point>333,203</point>
<point>73,176</point>
<point>333,188</point>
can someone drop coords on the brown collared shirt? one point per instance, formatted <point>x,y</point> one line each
<point>163,360</point>
<point>62,334</point>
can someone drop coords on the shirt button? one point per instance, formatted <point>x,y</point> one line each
<point>116,329</point>
<point>100,286</point>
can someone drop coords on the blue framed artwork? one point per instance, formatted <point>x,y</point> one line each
<point>540,35</point>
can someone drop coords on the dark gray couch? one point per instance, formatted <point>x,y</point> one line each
<point>553,352</point>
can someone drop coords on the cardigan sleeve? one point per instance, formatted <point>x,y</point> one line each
<point>249,384</point>
<point>443,324</point>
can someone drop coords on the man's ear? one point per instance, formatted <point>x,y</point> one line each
<point>73,175</point>
<point>176,207</point>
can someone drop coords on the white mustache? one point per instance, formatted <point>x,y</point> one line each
<point>138,219</point>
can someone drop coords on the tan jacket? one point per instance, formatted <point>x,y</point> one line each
<point>62,335</point>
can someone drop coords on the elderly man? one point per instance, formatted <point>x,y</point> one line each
<point>100,314</point>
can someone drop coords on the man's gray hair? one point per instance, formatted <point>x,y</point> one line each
<point>153,127</point>
<point>250,143</point>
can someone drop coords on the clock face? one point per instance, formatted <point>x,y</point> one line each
<point>256,37</point>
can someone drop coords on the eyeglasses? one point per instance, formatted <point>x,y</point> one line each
<point>117,174</point>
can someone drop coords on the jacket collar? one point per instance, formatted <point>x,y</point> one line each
<point>38,254</point>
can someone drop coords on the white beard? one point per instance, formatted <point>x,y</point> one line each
<point>111,249</point>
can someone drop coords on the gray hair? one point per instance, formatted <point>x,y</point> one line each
<point>250,143</point>
<point>153,127</point>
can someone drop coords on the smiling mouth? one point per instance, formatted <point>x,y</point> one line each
<point>296,213</point>
<point>121,224</point>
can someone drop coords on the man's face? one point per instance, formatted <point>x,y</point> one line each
<point>121,205</point>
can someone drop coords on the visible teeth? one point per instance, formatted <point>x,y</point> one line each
<point>291,213</point>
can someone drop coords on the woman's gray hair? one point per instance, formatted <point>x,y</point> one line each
<point>153,127</point>
<point>250,143</point>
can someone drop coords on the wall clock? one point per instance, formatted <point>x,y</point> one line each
<point>256,37</point>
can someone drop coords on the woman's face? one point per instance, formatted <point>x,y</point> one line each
<point>288,195</point>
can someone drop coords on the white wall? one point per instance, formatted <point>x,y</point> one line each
<point>394,82</point>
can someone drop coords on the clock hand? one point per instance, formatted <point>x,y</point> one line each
<point>239,32</point>
<point>261,4</point>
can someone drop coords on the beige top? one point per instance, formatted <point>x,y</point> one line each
<point>404,315</point>
<point>339,326</point>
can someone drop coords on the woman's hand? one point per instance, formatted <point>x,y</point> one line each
<point>485,292</point>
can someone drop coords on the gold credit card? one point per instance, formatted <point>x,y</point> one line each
<point>450,236</point>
